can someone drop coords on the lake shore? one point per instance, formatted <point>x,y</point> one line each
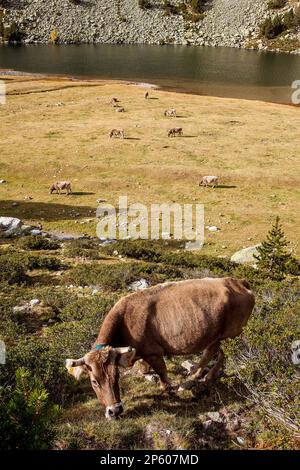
<point>58,129</point>
<point>280,94</point>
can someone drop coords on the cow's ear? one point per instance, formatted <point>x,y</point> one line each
<point>125,356</point>
<point>76,370</point>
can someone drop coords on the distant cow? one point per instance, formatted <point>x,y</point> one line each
<point>175,131</point>
<point>118,133</point>
<point>209,180</point>
<point>114,101</point>
<point>61,185</point>
<point>170,112</point>
<point>146,95</point>
<point>120,109</point>
<point>171,319</point>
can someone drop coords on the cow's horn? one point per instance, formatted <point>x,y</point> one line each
<point>75,362</point>
<point>123,350</point>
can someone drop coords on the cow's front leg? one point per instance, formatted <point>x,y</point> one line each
<point>159,366</point>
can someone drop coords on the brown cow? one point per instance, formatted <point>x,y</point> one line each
<point>61,185</point>
<point>118,133</point>
<point>175,318</point>
<point>175,131</point>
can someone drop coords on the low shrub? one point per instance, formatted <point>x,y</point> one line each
<point>144,4</point>
<point>262,358</point>
<point>12,269</point>
<point>271,28</point>
<point>26,414</point>
<point>117,277</point>
<point>84,248</point>
<point>37,242</point>
<point>276,4</point>
<point>50,263</point>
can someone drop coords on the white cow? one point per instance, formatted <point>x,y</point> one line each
<point>209,180</point>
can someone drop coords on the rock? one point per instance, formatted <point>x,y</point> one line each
<point>141,284</point>
<point>233,425</point>
<point>25,230</point>
<point>213,228</point>
<point>20,309</point>
<point>34,302</point>
<point>36,231</point>
<point>151,377</point>
<point>215,416</point>
<point>240,440</point>
<point>9,226</point>
<point>188,365</point>
<point>207,424</point>
<point>246,255</point>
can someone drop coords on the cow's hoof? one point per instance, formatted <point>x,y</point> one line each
<point>187,385</point>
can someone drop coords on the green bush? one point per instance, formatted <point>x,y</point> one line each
<point>271,28</point>
<point>12,269</point>
<point>50,263</point>
<point>26,414</point>
<point>261,357</point>
<point>276,4</point>
<point>197,5</point>
<point>144,4</point>
<point>37,242</point>
<point>273,259</point>
<point>117,277</point>
<point>83,248</point>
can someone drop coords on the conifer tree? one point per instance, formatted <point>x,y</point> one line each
<point>273,258</point>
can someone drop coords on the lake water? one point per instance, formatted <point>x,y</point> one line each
<point>202,70</point>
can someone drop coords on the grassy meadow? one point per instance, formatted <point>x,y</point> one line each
<point>57,129</point>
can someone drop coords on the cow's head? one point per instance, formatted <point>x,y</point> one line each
<point>102,366</point>
<point>51,189</point>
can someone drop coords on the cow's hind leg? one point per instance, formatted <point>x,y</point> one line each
<point>159,366</point>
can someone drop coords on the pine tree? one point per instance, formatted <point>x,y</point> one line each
<point>273,258</point>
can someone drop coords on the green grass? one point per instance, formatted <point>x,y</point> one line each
<point>67,320</point>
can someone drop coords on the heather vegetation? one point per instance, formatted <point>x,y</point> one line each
<point>257,398</point>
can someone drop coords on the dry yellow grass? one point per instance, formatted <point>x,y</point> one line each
<point>252,146</point>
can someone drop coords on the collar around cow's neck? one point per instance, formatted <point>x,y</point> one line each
<point>98,347</point>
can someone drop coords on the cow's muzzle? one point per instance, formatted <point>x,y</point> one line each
<point>114,411</point>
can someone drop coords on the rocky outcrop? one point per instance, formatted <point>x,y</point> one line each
<point>13,227</point>
<point>225,23</point>
<point>246,255</point>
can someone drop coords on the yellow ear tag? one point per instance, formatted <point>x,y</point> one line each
<point>71,370</point>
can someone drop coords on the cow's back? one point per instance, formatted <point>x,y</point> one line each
<point>186,316</point>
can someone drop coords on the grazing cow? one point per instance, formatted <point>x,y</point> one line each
<point>61,185</point>
<point>118,133</point>
<point>175,131</point>
<point>114,101</point>
<point>120,109</point>
<point>174,318</point>
<point>170,112</point>
<point>209,180</point>
<point>146,95</point>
